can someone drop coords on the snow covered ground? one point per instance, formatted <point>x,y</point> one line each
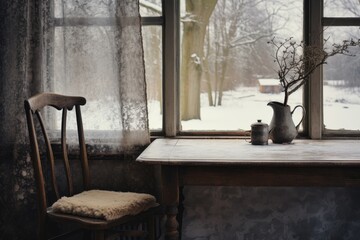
<point>246,105</point>
<point>240,109</point>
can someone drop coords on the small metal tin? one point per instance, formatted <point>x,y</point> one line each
<point>259,133</point>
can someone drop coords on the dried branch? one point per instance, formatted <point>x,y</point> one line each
<point>296,61</point>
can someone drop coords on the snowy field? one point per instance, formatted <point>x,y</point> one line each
<point>244,106</point>
<point>241,108</point>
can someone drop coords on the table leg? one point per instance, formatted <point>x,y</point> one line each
<point>181,209</point>
<point>171,225</point>
<point>170,199</point>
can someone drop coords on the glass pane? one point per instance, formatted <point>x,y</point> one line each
<point>342,82</point>
<point>149,8</point>
<point>342,8</point>
<point>227,73</point>
<point>152,41</point>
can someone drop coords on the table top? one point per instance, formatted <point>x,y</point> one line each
<point>240,152</point>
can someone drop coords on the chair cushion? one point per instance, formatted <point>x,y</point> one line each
<point>106,205</point>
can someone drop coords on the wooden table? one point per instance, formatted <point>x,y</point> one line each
<point>235,162</point>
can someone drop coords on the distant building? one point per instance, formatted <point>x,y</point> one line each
<point>336,82</point>
<point>269,85</point>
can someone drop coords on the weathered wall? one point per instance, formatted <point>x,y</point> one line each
<point>264,213</point>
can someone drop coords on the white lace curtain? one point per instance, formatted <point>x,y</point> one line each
<point>95,50</point>
<point>91,48</point>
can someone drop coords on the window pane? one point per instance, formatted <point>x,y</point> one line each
<point>224,58</point>
<point>342,8</point>
<point>152,41</point>
<point>149,8</point>
<point>342,82</point>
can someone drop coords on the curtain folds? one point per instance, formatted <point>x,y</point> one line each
<point>75,47</point>
<point>20,77</point>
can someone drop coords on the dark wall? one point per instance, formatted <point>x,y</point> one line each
<point>266,213</point>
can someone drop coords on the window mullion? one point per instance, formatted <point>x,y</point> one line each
<point>333,21</point>
<point>170,66</point>
<point>314,91</point>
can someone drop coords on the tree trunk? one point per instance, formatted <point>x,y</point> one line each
<point>207,71</point>
<point>194,31</point>
<point>224,67</point>
<point>208,83</point>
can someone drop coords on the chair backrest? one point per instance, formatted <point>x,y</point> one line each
<point>33,106</point>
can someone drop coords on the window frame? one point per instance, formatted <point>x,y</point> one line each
<point>314,22</point>
<point>171,14</point>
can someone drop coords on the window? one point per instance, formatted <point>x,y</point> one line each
<point>152,41</point>
<point>227,73</point>
<point>151,13</point>
<point>341,76</point>
<point>212,76</point>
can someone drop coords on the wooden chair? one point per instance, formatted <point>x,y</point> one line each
<point>95,228</point>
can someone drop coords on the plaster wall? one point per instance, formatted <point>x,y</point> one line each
<point>271,213</point>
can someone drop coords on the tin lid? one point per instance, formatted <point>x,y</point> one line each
<point>259,124</point>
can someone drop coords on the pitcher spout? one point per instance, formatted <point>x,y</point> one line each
<point>274,104</point>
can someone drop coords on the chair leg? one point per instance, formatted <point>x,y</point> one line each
<point>99,235</point>
<point>151,229</point>
<point>86,235</point>
<point>42,232</point>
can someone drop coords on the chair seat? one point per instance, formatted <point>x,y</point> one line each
<point>100,224</point>
<point>104,205</point>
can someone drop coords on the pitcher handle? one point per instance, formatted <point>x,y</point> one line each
<point>303,111</point>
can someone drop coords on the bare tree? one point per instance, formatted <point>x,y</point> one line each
<point>348,6</point>
<point>195,23</point>
<point>296,61</point>
<point>240,24</point>
<point>235,26</point>
<point>207,75</point>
